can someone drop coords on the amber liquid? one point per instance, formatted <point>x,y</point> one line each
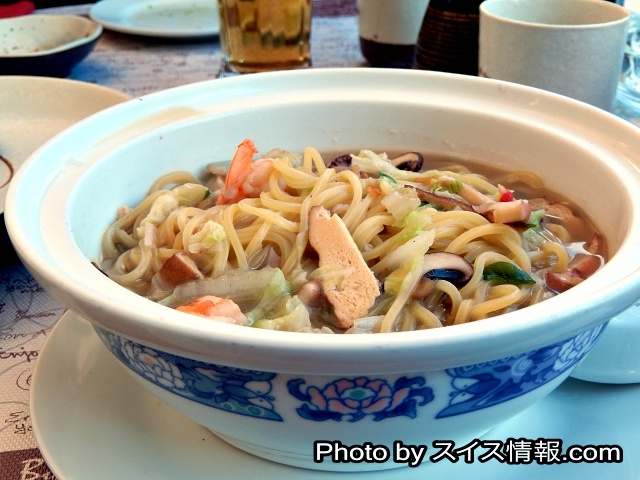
<point>264,35</point>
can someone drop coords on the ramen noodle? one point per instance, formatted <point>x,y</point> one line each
<point>362,243</point>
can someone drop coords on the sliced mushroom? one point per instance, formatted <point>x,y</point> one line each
<point>581,267</point>
<point>562,281</point>
<point>442,200</point>
<point>442,266</point>
<point>341,161</point>
<point>447,266</point>
<point>584,265</point>
<point>178,269</point>
<point>410,161</point>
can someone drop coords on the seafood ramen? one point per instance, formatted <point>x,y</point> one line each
<point>357,243</point>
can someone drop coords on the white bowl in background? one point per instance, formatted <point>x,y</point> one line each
<point>47,45</point>
<point>275,393</point>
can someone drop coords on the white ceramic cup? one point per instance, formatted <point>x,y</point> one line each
<point>571,47</point>
<point>391,28</point>
<point>396,23</point>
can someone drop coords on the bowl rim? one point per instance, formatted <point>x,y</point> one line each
<point>93,31</point>
<point>156,326</point>
<point>503,11</point>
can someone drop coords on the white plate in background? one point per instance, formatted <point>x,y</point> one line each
<point>159,18</point>
<point>80,392</point>
<point>34,109</point>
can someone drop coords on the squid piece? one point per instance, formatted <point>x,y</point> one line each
<point>497,212</point>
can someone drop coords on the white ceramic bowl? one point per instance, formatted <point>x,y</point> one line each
<point>47,45</point>
<point>275,393</point>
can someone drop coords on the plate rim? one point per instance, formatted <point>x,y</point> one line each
<point>53,84</point>
<point>99,9</point>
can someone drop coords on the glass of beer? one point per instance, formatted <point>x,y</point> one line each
<point>264,35</point>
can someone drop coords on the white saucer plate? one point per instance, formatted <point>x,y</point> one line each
<point>616,356</point>
<point>34,109</point>
<point>91,420</point>
<point>159,18</point>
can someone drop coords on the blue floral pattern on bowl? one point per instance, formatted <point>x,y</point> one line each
<point>236,390</point>
<point>354,399</point>
<point>473,387</point>
<point>486,384</point>
<point>249,392</point>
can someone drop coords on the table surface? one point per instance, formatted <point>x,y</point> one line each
<point>137,66</point>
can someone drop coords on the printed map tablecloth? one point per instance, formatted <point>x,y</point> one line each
<point>27,315</point>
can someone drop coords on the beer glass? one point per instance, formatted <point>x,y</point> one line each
<point>264,35</point>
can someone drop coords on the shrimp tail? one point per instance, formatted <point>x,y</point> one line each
<point>238,172</point>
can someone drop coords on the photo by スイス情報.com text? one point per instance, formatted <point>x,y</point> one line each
<point>513,451</point>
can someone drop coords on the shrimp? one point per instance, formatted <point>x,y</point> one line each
<point>257,180</point>
<point>216,308</point>
<point>238,172</point>
<point>246,179</point>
